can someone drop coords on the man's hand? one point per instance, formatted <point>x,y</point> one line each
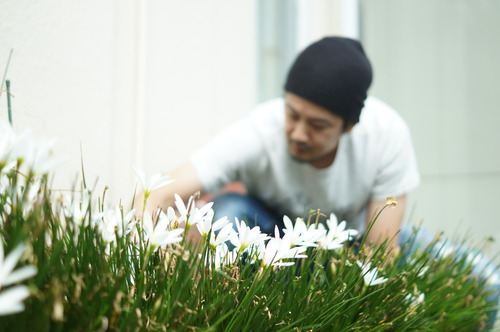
<point>186,183</point>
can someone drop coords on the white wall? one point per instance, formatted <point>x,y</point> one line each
<point>200,74</point>
<point>321,18</point>
<point>437,63</point>
<point>61,75</point>
<point>132,82</point>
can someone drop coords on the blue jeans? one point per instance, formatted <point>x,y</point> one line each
<point>248,208</point>
<point>256,213</point>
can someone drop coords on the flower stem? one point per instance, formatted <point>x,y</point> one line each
<point>370,226</point>
<point>9,107</point>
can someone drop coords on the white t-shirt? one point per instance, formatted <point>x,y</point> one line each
<point>373,161</point>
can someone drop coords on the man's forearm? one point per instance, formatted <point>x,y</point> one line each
<point>388,223</point>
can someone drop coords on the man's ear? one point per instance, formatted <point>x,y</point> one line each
<point>349,127</point>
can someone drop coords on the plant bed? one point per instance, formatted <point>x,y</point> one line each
<point>73,262</point>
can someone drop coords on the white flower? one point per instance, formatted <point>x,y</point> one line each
<point>206,225</point>
<point>329,242</point>
<point>444,249</point>
<point>473,258</point>
<point>36,154</point>
<point>33,196</point>
<point>493,279</point>
<point>246,236</point>
<point>72,214</point>
<point>295,231</point>
<point>225,234</point>
<point>203,214</point>
<point>76,210</point>
<point>338,230</point>
<point>423,271</point>
<point>153,182</point>
<point>413,300</point>
<point>184,209</point>
<point>11,300</point>
<point>191,214</point>
<point>221,257</point>
<point>220,223</point>
<point>336,235</point>
<point>41,160</point>
<point>7,275</point>
<point>127,224</point>
<point>492,274</point>
<point>112,225</point>
<point>172,218</point>
<point>160,235</point>
<point>370,274</point>
<point>6,209</point>
<point>300,234</point>
<point>277,249</point>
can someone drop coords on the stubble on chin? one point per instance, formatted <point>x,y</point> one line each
<point>297,158</point>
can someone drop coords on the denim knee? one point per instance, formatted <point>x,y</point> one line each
<point>248,208</point>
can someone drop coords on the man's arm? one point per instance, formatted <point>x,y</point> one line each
<point>186,183</point>
<point>388,223</point>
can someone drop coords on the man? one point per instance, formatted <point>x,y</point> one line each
<point>320,147</point>
<point>324,146</point>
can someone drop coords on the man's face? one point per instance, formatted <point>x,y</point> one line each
<point>312,132</point>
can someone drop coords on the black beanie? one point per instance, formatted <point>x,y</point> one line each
<point>333,73</point>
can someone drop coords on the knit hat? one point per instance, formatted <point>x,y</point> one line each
<point>333,73</point>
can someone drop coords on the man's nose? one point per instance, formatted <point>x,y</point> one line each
<point>299,132</point>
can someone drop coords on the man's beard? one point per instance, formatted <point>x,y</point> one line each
<point>302,161</point>
<point>306,148</point>
<point>311,156</point>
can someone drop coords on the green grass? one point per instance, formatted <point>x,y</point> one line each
<point>88,282</point>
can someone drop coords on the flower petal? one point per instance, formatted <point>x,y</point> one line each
<point>10,262</point>
<point>20,274</point>
<point>10,300</point>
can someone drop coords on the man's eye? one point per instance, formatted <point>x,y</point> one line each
<point>317,127</point>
